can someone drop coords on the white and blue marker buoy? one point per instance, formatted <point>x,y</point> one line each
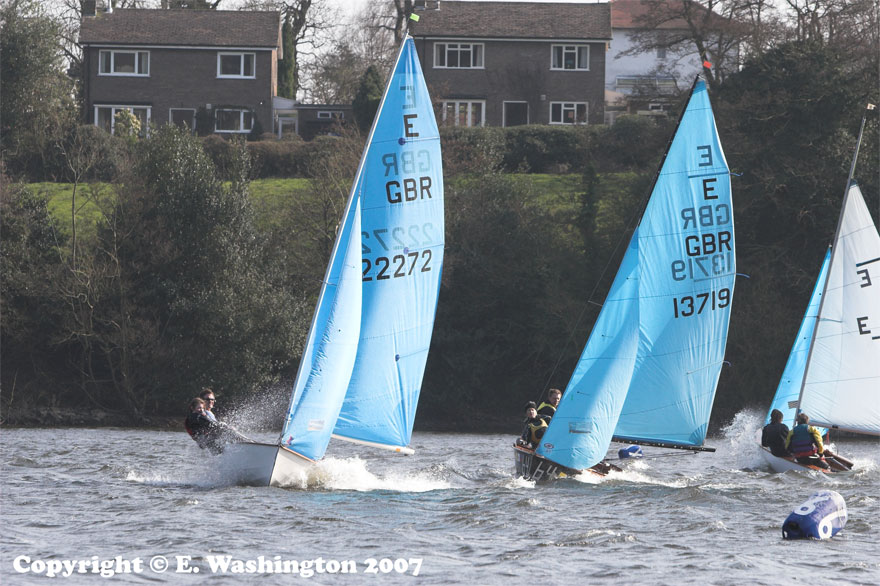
<point>822,516</point>
<point>630,452</point>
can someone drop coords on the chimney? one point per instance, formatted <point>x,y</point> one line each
<point>109,6</point>
<point>89,7</point>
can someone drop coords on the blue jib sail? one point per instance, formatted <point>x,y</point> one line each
<point>362,369</point>
<point>651,365</point>
<point>789,389</point>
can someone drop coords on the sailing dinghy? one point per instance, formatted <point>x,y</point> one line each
<point>649,370</point>
<point>833,370</point>
<point>361,371</point>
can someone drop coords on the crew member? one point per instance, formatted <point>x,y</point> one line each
<point>533,428</point>
<point>805,443</point>
<point>775,434</point>
<point>547,409</point>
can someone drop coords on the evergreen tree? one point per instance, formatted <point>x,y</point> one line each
<point>366,100</point>
<point>36,107</point>
<point>287,66</point>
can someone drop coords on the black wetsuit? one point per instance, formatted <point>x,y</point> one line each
<point>208,434</point>
<point>773,437</point>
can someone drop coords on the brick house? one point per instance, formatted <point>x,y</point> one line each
<point>512,63</point>
<point>194,67</point>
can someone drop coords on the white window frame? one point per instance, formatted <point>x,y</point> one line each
<point>139,58</point>
<point>576,49</point>
<point>444,105</point>
<point>117,107</point>
<point>241,113</point>
<point>331,114</point>
<point>241,62</point>
<point>570,106</point>
<point>444,49</point>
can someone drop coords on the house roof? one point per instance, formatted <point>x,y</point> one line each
<point>630,14</point>
<point>540,20</point>
<point>212,28</point>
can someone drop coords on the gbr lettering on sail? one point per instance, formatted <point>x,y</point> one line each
<point>708,254</point>
<point>402,250</point>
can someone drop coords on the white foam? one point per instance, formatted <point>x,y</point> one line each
<point>352,474</point>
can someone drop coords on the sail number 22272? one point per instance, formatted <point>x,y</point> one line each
<point>696,304</point>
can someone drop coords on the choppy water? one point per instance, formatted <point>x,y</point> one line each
<point>94,494</point>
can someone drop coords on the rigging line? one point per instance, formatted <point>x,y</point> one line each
<point>654,456</point>
<point>632,224</point>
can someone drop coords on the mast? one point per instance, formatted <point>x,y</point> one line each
<point>849,179</point>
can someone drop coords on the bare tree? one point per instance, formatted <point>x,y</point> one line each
<point>716,30</point>
<point>312,22</point>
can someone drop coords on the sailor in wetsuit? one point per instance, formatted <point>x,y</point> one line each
<point>533,428</point>
<point>210,435</point>
<point>774,434</point>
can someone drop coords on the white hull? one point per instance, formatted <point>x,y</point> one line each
<point>264,465</point>
<point>785,464</point>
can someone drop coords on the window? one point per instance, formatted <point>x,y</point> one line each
<point>183,117</point>
<point>464,113</point>
<point>458,55</point>
<point>568,112</point>
<point>135,63</point>
<point>570,57</point>
<point>328,114</point>
<point>235,65</point>
<point>105,117</point>
<point>233,121</point>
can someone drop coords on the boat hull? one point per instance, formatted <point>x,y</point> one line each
<point>789,463</point>
<point>256,464</point>
<point>531,466</point>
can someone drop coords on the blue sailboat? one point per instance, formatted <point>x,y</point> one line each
<point>833,371</point>
<point>361,371</point>
<point>650,367</point>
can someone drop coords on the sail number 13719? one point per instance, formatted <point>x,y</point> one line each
<point>696,304</point>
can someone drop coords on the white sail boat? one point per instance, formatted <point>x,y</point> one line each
<point>361,371</point>
<point>833,371</point>
<point>651,365</point>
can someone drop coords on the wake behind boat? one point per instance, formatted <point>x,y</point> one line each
<point>833,370</point>
<point>361,372</point>
<point>650,367</point>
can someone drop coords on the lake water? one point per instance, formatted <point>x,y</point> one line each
<point>452,513</point>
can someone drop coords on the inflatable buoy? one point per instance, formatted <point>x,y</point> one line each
<point>630,452</point>
<point>820,517</point>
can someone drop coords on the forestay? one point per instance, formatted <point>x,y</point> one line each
<point>362,368</point>
<point>842,382</point>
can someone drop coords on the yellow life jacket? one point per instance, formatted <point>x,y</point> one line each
<point>534,438</point>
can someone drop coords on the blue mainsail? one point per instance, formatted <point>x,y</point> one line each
<point>362,368</point>
<point>687,268</point>
<point>789,389</point>
<point>651,365</point>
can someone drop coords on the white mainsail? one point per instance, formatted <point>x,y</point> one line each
<point>841,387</point>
